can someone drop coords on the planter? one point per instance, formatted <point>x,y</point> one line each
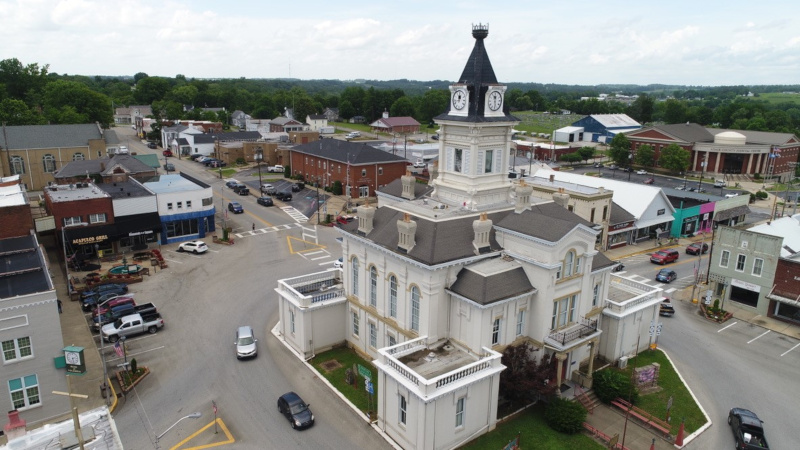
<point>128,381</point>
<point>216,240</point>
<point>719,318</point>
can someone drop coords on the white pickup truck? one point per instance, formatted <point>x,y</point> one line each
<point>131,325</point>
<point>275,169</point>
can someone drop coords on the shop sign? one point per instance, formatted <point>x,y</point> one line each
<point>661,212</point>
<point>745,285</point>
<point>690,219</point>
<point>90,240</point>
<point>620,226</point>
<point>139,233</point>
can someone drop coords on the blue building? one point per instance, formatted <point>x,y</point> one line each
<point>603,127</point>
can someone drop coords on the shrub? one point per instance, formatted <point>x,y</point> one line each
<point>565,416</point>
<point>756,176</point>
<point>240,161</point>
<point>610,384</point>
<point>761,195</point>
<point>133,365</point>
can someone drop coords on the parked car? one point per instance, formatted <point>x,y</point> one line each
<point>627,169</point>
<point>598,165</point>
<point>284,196</point>
<point>649,181</point>
<point>196,156</point>
<point>613,167</point>
<point>719,183</point>
<point>90,303</point>
<point>696,247</point>
<point>231,183</point>
<point>201,158</point>
<point>152,145</point>
<point>339,263</point>
<point>300,185</point>
<point>352,135</point>
<point>167,153</point>
<point>275,169</point>
<point>641,172</point>
<point>113,303</point>
<point>665,308</point>
<point>241,189</point>
<point>295,188</point>
<point>122,311</point>
<point>268,189</point>
<point>246,343</point>
<point>664,256</point>
<point>435,137</point>
<point>209,161</point>
<point>618,267</point>
<point>131,325</point>
<point>265,201</point>
<point>235,207</point>
<point>104,288</point>
<point>680,188</point>
<point>731,195</point>
<point>748,430</point>
<point>666,276</point>
<point>193,246</point>
<point>295,410</point>
<point>169,167</point>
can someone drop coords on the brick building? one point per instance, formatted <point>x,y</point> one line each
<point>360,166</point>
<point>395,125</point>
<point>15,213</point>
<point>784,297</point>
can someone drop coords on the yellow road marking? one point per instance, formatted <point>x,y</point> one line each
<point>230,440</point>
<point>308,246</point>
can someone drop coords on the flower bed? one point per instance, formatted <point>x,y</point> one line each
<point>128,379</point>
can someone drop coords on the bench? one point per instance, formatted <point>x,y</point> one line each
<point>645,417</point>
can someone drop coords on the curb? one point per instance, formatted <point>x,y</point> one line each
<point>708,423</point>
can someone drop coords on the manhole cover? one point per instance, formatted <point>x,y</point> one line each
<point>331,365</point>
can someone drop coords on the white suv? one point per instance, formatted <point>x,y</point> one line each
<point>193,246</point>
<point>353,134</point>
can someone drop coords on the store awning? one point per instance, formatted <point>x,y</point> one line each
<point>138,224</point>
<point>92,234</point>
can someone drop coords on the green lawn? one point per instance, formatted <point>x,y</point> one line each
<point>683,405</point>
<point>774,98</point>
<point>347,358</point>
<point>534,433</point>
<point>534,122</point>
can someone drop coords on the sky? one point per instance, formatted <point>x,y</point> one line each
<point>695,43</point>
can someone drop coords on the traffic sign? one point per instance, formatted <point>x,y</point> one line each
<point>364,372</point>
<point>368,386</point>
<point>658,329</point>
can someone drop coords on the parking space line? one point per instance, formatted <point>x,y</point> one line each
<point>787,351</point>
<point>727,326</point>
<point>670,290</point>
<point>315,253</point>
<point>762,334</point>
<point>326,263</point>
<point>320,257</point>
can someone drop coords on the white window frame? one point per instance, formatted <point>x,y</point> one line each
<point>169,206</point>
<point>415,300</point>
<point>569,262</point>
<point>458,160</point>
<point>724,258</point>
<point>355,323</point>
<point>403,410</point>
<point>78,157</point>
<point>741,262</point>
<point>17,349</point>
<point>354,267</point>
<point>563,312</point>
<point>391,340</point>
<point>373,287</point>
<point>48,163</point>
<point>496,331</point>
<point>74,220</point>
<point>373,334</point>
<point>17,165</point>
<point>461,406</point>
<point>188,203</point>
<point>27,391</point>
<point>393,296</point>
<point>520,322</point>
<point>758,263</point>
<point>596,294</point>
<point>488,161</point>
<point>291,321</point>
<point>97,218</point>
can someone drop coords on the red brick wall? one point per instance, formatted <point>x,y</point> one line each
<point>82,208</point>
<point>313,168</point>
<point>15,221</point>
<point>787,278</point>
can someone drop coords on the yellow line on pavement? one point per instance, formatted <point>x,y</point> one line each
<point>313,245</point>
<point>219,421</point>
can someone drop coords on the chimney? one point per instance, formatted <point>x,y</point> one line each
<point>561,198</point>
<point>408,181</point>
<point>482,227</point>
<point>523,192</point>
<point>406,230</point>
<point>552,177</point>
<point>102,166</point>
<point>366,214</point>
<point>15,428</point>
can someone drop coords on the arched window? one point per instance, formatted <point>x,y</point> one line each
<point>49,163</point>
<point>415,308</point>
<point>354,266</point>
<point>569,261</point>
<point>373,287</point>
<point>78,157</point>
<point>17,165</point>
<point>393,296</point>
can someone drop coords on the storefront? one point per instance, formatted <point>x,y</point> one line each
<point>88,243</point>
<point>138,232</point>
<point>784,297</point>
<point>620,234</point>
<point>744,293</point>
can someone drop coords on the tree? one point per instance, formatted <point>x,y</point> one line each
<point>19,80</point>
<point>674,158</point>
<point>346,110</point>
<point>619,149</point>
<point>586,153</point>
<point>674,111</point>
<point>151,89</point>
<point>523,378</point>
<point>402,107</point>
<point>609,384</point>
<point>431,104</point>
<point>16,112</point>
<point>565,416</point>
<point>645,155</point>
<point>85,105</point>
<point>139,76</point>
<point>571,157</point>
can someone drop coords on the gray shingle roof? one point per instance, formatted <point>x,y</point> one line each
<point>687,132</point>
<point>619,215</point>
<point>601,261</point>
<point>342,151</point>
<point>103,166</point>
<point>547,221</point>
<point>210,138</point>
<point>493,288</point>
<point>49,136</point>
<point>395,189</point>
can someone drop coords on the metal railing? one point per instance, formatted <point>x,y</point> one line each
<point>582,329</point>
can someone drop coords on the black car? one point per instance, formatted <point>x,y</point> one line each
<point>232,183</point>
<point>241,189</point>
<point>295,410</point>
<point>169,167</point>
<point>284,196</point>
<point>435,137</point>
<point>295,188</point>
<point>210,161</point>
<point>117,288</point>
<point>618,267</point>
<point>89,303</point>
<point>627,169</point>
<point>265,201</point>
<point>151,145</point>
<point>235,207</point>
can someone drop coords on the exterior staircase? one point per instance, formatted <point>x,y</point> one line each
<point>587,398</point>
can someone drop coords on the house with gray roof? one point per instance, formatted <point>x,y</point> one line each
<point>37,152</point>
<point>102,170</point>
<point>434,287</point>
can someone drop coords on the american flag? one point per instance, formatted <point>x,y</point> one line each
<point>118,349</point>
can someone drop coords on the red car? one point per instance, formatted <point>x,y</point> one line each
<point>695,248</point>
<point>649,181</point>
<point>664,256</point>
<point>167,153</point>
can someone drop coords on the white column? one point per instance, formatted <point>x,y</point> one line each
<point>716,165</point>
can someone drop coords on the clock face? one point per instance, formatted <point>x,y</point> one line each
<point>495,101</point>
<point>459,99</point>
<point>72,358</point>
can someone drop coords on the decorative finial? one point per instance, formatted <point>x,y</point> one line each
<point>480,31</point>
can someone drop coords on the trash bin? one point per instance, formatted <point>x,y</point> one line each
<point>104,390</point>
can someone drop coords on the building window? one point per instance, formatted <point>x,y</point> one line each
<point>24,391</point>
<point>48,163</point>
<point>488,161</point>
<point>458,159</point>
<point>380,170</point>
<point>758,266</point>
<point>595,295</point>
<point>363,172</point>
<point>291,321</point>
<point>591,216</point>
<point>605,212</point>
<point>17,165</point>
<point>373,287</point>
<point>569,263</point>
<point>78,157</point>
<point>355,323</point>
<point>563,312</point>
<point>72,220</point>
<point>496,331</point>
<point>188,203</point>
<point>393,296</point>
<point>339,169</point>
<point>392,340</point>
<point>169,206</point>
<point>403,410</point>
<point>724,257</point>
<point>17,349</point>
<point>373,335</point>
<point>354,266</point>
<point>520,322</point>
<point>740,262</point>
<point>415,308</point>
<point>319,164</point>
<point>97,218</point>
<point>460,403</point>
<point>180,205</point>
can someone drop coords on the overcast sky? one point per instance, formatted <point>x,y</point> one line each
<point>698,42</point>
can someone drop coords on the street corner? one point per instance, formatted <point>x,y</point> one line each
<point>214,434</point>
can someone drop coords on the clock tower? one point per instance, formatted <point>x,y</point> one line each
<point>475,132</point>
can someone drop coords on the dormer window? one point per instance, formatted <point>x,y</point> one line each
<point>570,266</point>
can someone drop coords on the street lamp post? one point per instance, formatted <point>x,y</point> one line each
<point>259,156</point>
<point>702,172</point>
<point>195,415</point>
<point>630,162</point>
<point>684,182</point>
<point>64,243</point>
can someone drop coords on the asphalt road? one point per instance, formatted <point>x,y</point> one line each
<point>727,365</point>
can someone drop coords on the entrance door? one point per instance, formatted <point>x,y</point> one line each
<point>564,368</point>
<point>363,191</point>
<point>733,163</point>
